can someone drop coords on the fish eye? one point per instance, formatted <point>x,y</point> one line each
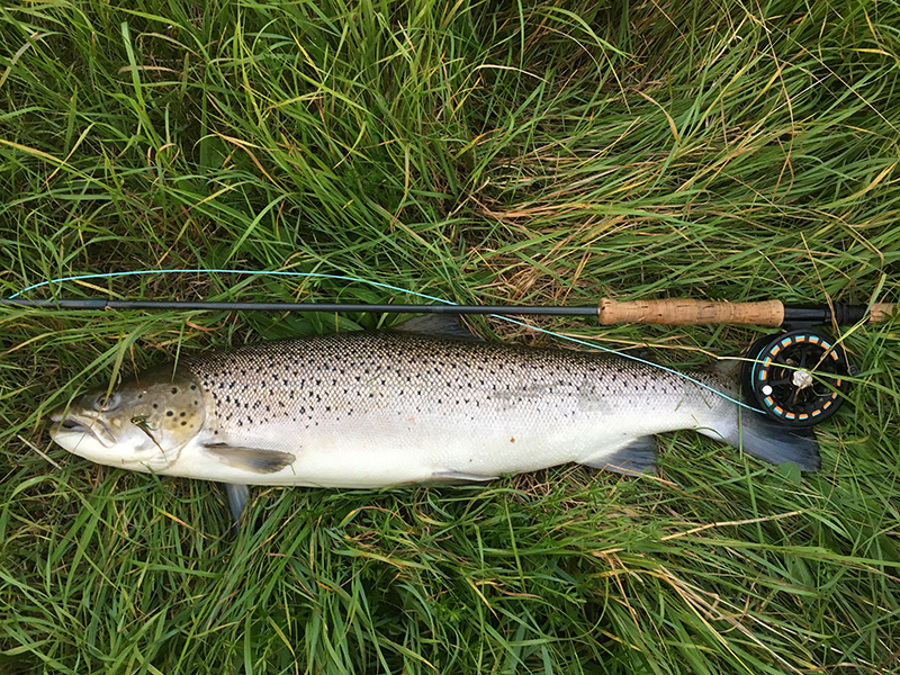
<point>102,402</point>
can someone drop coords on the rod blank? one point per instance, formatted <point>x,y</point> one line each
<point>586,310</point>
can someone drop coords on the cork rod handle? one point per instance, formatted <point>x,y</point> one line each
<point>881,311</point>
<point>683,312</point>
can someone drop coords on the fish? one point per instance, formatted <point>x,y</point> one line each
<point>427,403</point>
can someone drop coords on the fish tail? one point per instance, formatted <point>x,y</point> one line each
<point>769,440</point>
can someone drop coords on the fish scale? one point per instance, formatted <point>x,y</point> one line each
<point>372,409</point>
<point>442,407</point>
<point>258,391</point>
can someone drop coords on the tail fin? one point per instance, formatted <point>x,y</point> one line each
<point>767,439</point>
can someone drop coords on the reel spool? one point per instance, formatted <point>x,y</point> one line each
<point>798,378</point>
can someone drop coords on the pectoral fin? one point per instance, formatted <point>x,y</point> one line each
<point>254,460</point>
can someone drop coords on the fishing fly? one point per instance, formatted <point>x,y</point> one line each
<point>140,421</point>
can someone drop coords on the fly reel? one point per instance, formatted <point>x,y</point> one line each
<point>799,377</point>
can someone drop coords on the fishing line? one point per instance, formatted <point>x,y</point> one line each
<point>378,284</point>
<point>320,275</point>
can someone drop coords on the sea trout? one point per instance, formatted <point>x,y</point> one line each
<point>373,409</point>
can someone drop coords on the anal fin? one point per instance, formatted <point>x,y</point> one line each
<point>634,458</point>
<point>254,460</point>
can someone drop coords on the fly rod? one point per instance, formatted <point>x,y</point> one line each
<point>676,312</point>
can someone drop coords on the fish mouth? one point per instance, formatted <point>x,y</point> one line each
<point>72,424</point>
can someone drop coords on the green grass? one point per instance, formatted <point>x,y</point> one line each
<point>486,153</point>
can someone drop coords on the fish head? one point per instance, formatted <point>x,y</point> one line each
<point>142,424</point>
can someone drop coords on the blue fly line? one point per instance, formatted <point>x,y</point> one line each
<point>379,284</point>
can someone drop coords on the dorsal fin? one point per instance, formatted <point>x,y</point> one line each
<point>441,325</point>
